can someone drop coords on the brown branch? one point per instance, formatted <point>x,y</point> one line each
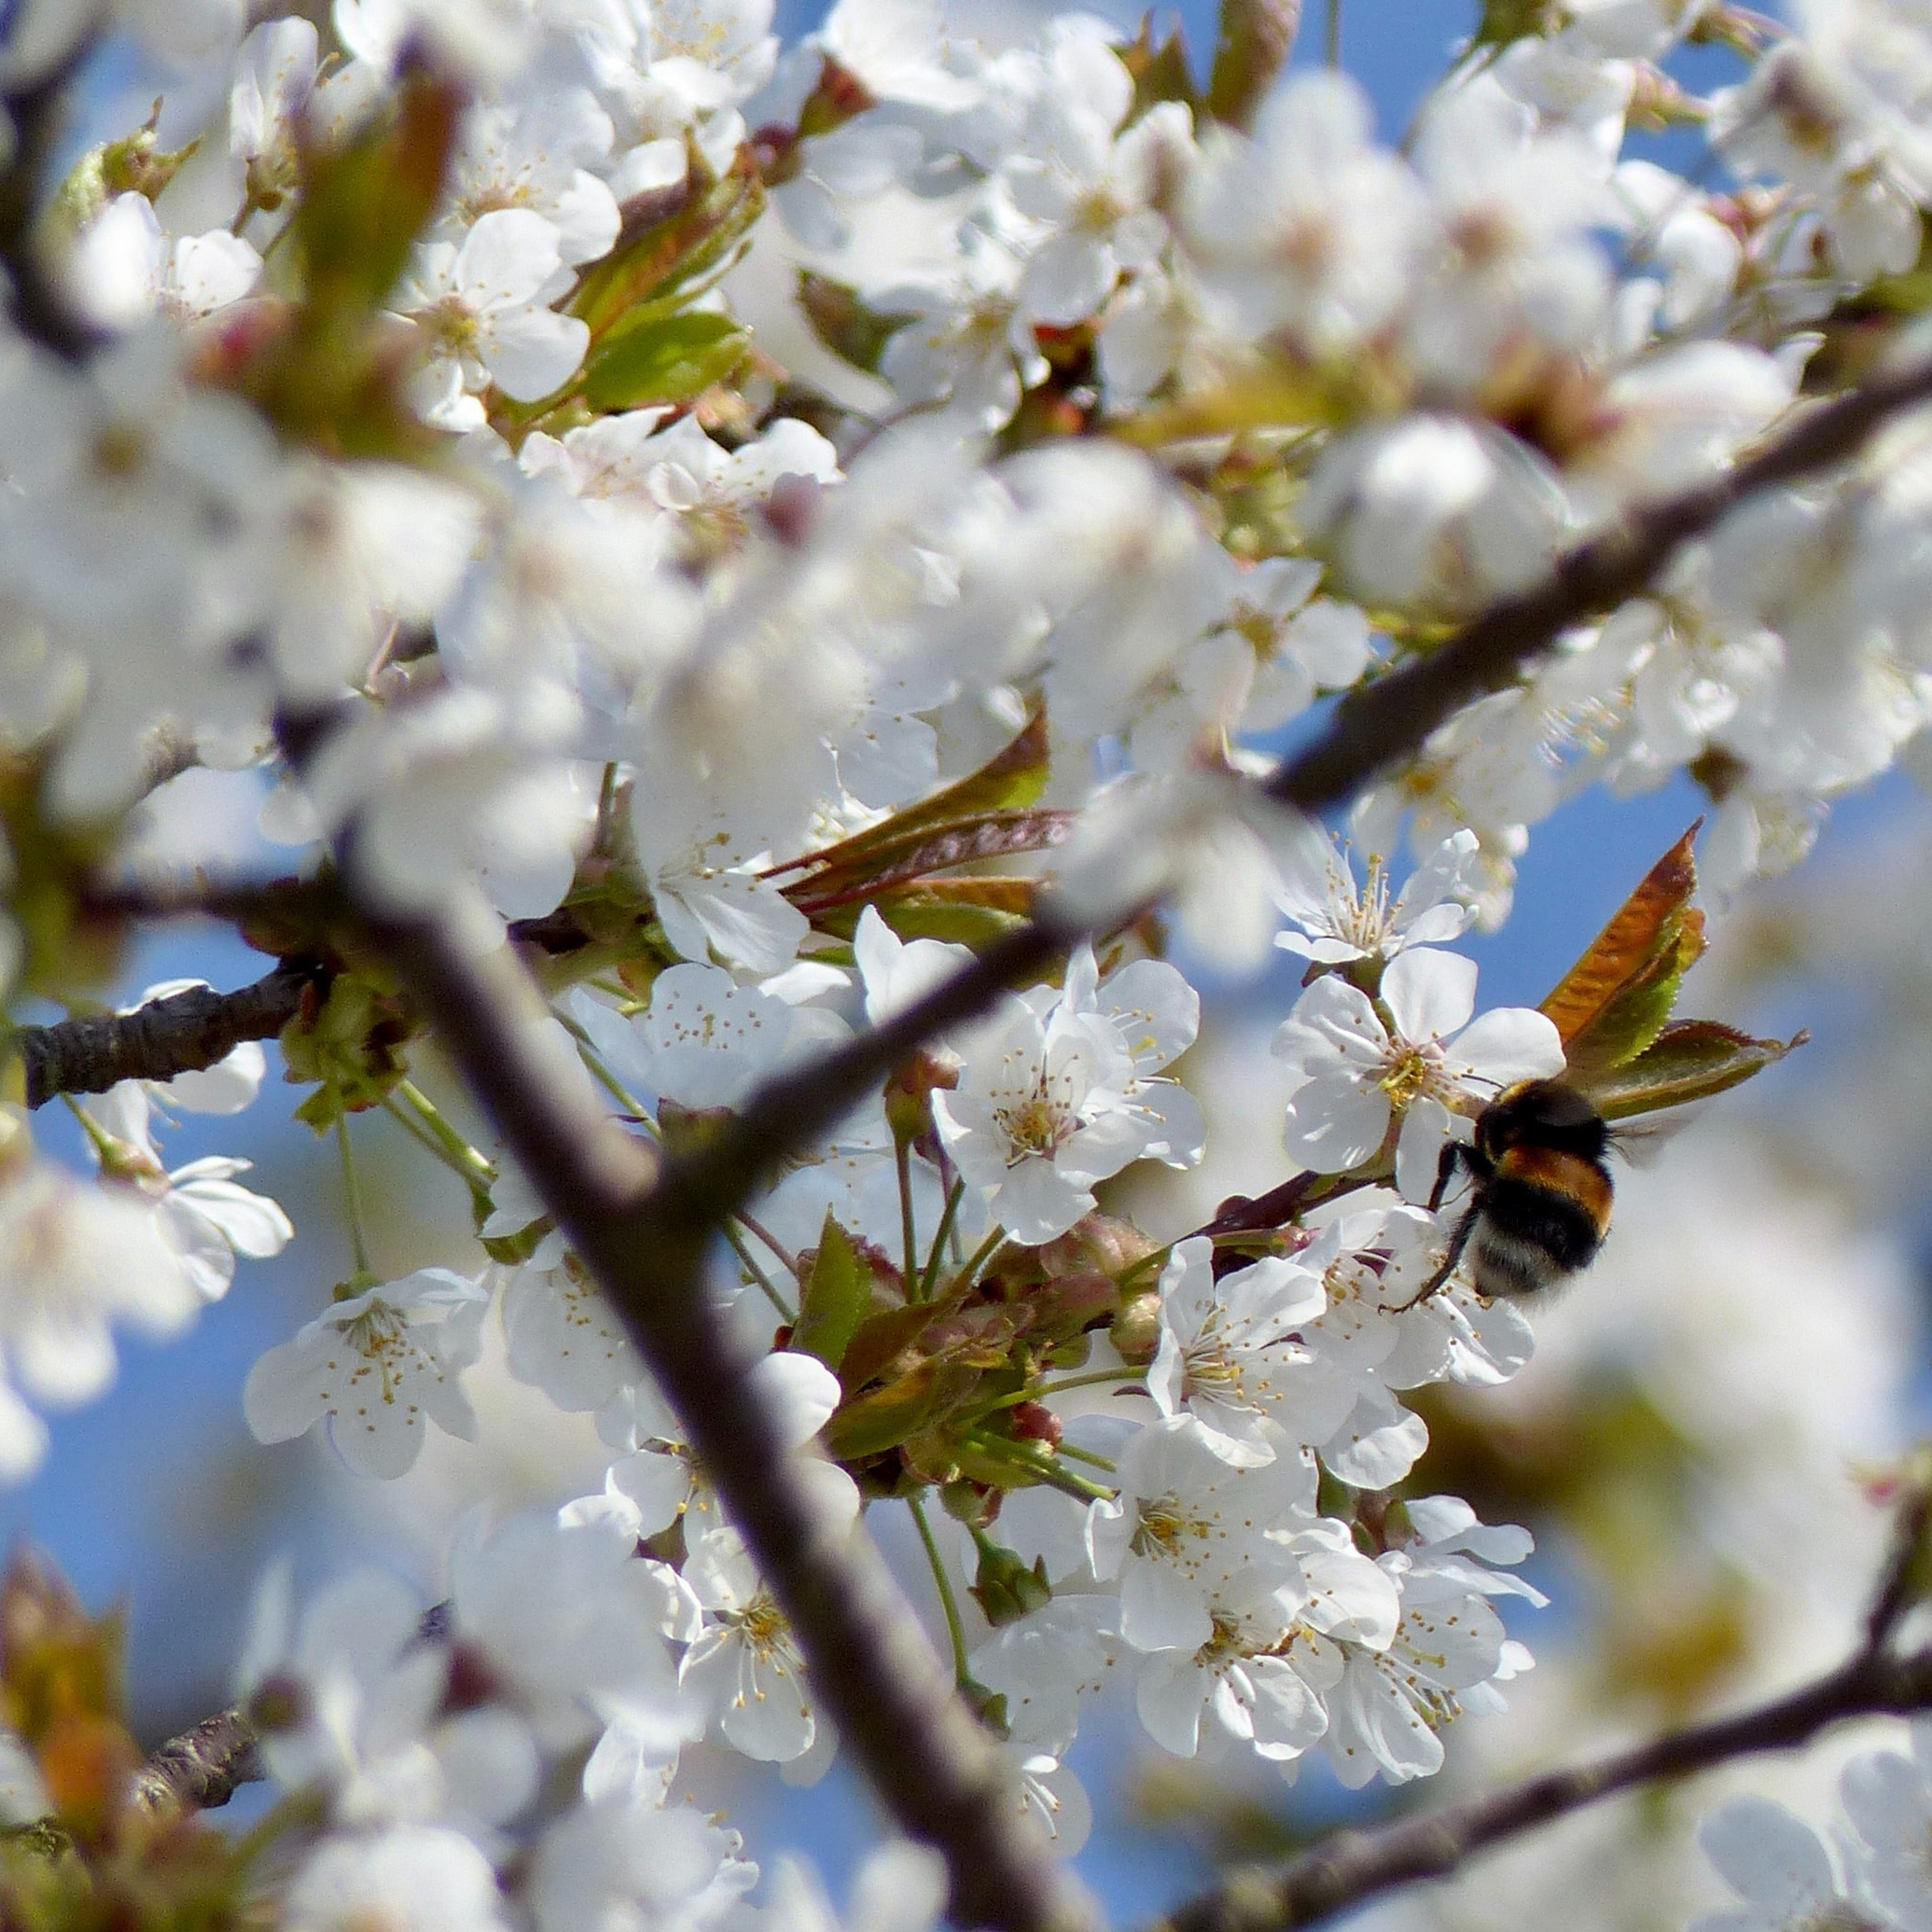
<point>181,1034</point>
<point>1390,720</point>
<point>39,113</point>
<point>201,1768</point>
<point>645,1232</point>
<point>1351,1867</point>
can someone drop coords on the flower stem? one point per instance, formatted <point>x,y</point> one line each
<point>1125,1377</point>
<point>1041,1467</point>
<point>352,1194</point>
<point>758,1274</point>
<point>430,1144</point>
<point>1331,39</point>
<point>930,1279</point>
<point>956,1630</point>
<point>909,1232</point>
<point>786,1258</point>
<point>467,1160</point>
<point>980,1256</point>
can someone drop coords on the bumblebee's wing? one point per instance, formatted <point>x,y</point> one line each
<point>1642,1142</point>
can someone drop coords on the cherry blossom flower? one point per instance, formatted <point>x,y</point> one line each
<point>377,1368</point>
<point>275,80</point>
<point>1888,1804</point>
<point>1044,1663</point>
<point>1310,227</point>
<point>1355,1075</point>
<point>1781,1870</point>
<point>1445,1655</point>
<point>900,1887</point>
<point>84,1258</point>
<point>615,1862</point>
<point>482,310</point>
<point>537,154</point>
<point>1054,1096</point>
<point>412,1879</point>
<point>1251,1677</point>
<point>1341,920</point>
<point>1223,1341</point>
<point>967,342</point>
<point>660,1482</point>
<point>352,1699</point>
<point>572,1629</point>
<point>1270,651</point>
<point>126,267</point>
<point>1185,1520</point>
<point>746,1663</point>
<point>564,1335</point>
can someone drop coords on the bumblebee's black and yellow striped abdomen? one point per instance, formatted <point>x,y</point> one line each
<point>1544,1215</point>
<point>1540,1205</point>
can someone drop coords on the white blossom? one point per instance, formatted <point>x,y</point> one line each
<point>378,1367</point>
<point>1355,1076</point>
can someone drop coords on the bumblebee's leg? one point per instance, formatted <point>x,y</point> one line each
<point>1457,1243</point>
<point>1454,1154</point>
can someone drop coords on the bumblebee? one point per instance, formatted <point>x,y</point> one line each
<point>1539,1205</point>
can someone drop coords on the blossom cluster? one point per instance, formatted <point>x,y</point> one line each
<point>422,438</point>
<point>1867,1872</point>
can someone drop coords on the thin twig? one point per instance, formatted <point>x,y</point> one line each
<point>1901,1585</point>
<point>1350,1868</point>
<point>180,1034</point>
<point>203,1768</point>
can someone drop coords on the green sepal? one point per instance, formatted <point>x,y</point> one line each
<point>366,199</point>
<point>1012,779</point>
<point>840,320</point>
<point>870,1423</point>
<point>837,1296</point>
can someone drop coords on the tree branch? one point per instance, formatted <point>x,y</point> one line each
<point>1387,720</point>
<point>201,1768</point>
<point>180,1034</point>
<point>645,1233</point>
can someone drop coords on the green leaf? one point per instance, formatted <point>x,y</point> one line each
<point>969,912</point>
<point>1162,73</point>
<point>838,1297</point>
<point>1616,1000</point>
<point>880,1338</point>
<point>670,360</point>
<point>1689,1060</point>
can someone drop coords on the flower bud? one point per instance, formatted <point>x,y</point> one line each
<point>1007,1588</point>
<point>1032,1422</point>
<point>1136,1330</point>
<point>1074,1302</point>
